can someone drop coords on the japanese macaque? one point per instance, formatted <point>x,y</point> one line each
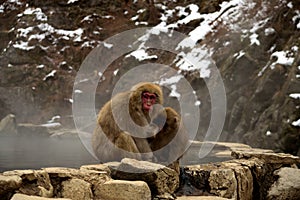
<point>134,124</point>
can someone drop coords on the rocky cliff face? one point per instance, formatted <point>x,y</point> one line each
<point>254,44</point>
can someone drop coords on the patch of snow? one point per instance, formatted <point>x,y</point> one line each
<point>108,17</point>
<point>197,103</point>
<point>290,5</point>
<point>40,16</point>
<point>51,74</point>
<point>239,54</point>
<point>23,46</point>
<point>296,18</point>
<point>116,72</point>
<point>78,92</point>
<point>40,66</point>
<point>141,55</point>
<point>296,123</point>
<point>269,31</point>
<point>53,119</point>
<point>174,92</point>
<point>107,45</point>
<point>171,80</point>
<point>1,9</point>
<point>295,95</point>
<point>72,1</point>
<point>283,58</point>
<point>198,59</point>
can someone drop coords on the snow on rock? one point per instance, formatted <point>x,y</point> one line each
<point>296,123</point>
<point>51,74</point>
<point>295,95</point>
<point>72,1</point>
<point>283,58</point>
<point>141,55</point>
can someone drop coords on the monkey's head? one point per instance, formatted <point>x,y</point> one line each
<point>146,94</point>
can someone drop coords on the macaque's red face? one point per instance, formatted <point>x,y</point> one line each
<point>148,100</point>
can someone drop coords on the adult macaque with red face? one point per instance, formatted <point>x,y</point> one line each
<point>124,123</point>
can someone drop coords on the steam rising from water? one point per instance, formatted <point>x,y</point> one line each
<point>23,152</point>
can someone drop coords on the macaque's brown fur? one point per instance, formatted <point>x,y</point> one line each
<point>172,140</point>
<point>110,136</point>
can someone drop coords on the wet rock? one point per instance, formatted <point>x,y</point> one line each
<point>8,125</point>
<point>9,183</point>
<point>160,179</point>
<point>287,186</point>
<point>76,189</point>
<point>123,190</point>
<point>27,197</point>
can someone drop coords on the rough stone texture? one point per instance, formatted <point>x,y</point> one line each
<point>254,174</point>
<point>200,198</point>
<point>267,155</point>
<point>123,190</point>
<point>227,179</point>
<point>9,183</point>
<point>35,182</point>
<point>223,183</point>
<point>76,189</point>
<point>160,179</point>
<point>97,167</point>
<point>8,125</point>
<point>27,197</point>
<point>287,186</point>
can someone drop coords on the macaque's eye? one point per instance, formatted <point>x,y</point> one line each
<point>147,95</point>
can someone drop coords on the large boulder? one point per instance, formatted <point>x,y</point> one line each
<point>287,186</point>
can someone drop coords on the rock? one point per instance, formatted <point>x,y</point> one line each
<point>123,190</point>
<point>160,179</point>
<point>27,197</point>
<point>91,176</point>
<point>76,189</point>
<point>8,184</point>
<point>35,182</point>
<point>287,186</point>
<point>8,125</point>
<point>97,167</point>
<point>222,182</point>
<point>200,198</point>
<point>267,155</point>
<point>228,179</point>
